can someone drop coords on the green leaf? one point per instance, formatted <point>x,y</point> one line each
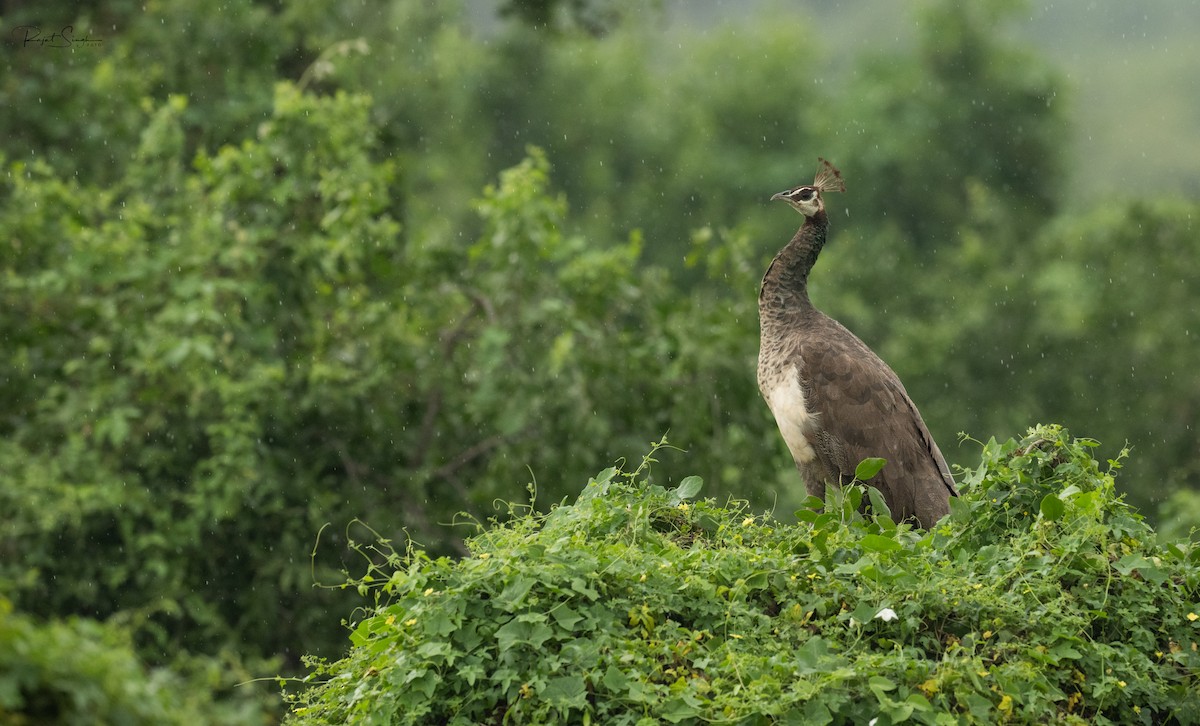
<point>515,632</point>
<point>851,499</point>
<point>806,515</point>
<point>811,656</point>
<point>961,510</point>
<point>1064,651</point>
<point>816,714</point>
<point>598,486</point>
<point>898,712</point>
<point>853,568</point>
<point>812,503</point>
<point>879,685</point>
<point>879,543</point>
<point>442,622</point>
<point>879,505</point>
<point>868,468</point>
<point>677,709</point>
<point>565,616</point>
<point>516,591</point>
<point>615,680</point>
<point>865,612</point>
<point>581,586</point>
<point>565,691</point>
<point>757,581</point>
<point>919,703</point>
<point>1052,507</point>
<point>435,650</point>
<point>687,489</point>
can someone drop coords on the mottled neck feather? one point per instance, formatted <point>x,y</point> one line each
<point>785,286</point>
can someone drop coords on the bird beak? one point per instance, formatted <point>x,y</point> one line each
<point>780,195</point>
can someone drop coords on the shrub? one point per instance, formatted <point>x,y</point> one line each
<point>1041,597</point>
<point>80,671</point>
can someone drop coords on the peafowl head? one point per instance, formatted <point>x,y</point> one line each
<point>807,199</point>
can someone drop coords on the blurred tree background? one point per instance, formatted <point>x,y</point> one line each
<point>268,266</point>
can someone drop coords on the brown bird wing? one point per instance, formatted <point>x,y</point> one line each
<point>863,411</point>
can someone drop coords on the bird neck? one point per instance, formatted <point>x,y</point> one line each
<point>786,283</point>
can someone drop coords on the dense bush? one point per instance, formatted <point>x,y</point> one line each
<point>165,335</point>
<point>79,671</point>
<point>1041,598</point>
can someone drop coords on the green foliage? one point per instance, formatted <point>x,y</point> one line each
<point>1039,478</point>
<point>867,468</point>
<point>82,109</point>
<point>939,116</point>
<point>592,16</point>
<point>237,309</point>
<point>210,360</point>
<point>639,604</point>
<point>81,672</point>
<point>656,161</point>
<point>171,331</point>
<point>1179,515</point>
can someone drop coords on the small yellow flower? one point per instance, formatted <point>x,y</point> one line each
<point>428,591</point>
<point>1193,617</point>
<point>410,622</point>
<point>987,634</point>
<point>747,521</point>
<point>1006,704</point>
<point>683,506</point>
<point>642,578</point>
<point>1122,684</point>
<point>485,555</point>
<point>735,636</point>
<point>1137,709</point>
<point>390,619</point>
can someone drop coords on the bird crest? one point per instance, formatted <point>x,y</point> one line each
<point>828,178</point>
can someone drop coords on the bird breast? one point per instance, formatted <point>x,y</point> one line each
<point>796,421</point>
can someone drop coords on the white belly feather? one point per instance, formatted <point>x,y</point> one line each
<point>786,401</point>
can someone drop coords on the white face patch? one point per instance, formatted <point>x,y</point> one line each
<point>786,401</point>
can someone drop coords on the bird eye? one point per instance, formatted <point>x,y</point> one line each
<point>805,194</point>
